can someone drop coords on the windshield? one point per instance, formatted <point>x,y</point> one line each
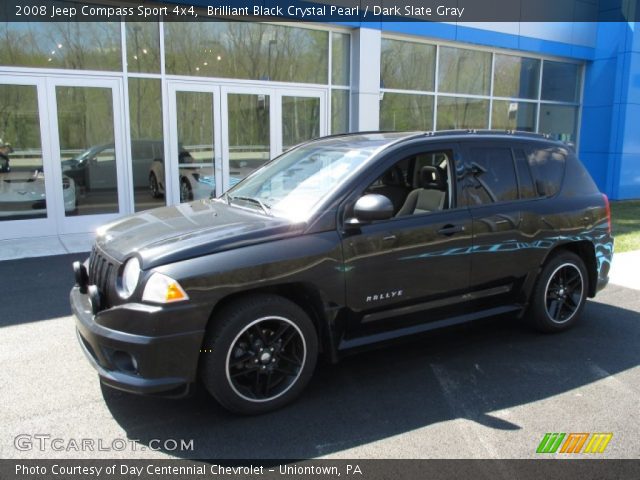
<point>294,183</point>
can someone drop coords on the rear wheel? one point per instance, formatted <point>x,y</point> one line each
<point>560,293</point>
<point>259,355</point>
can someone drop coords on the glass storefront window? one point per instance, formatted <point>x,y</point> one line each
<point>339,111</point>
<point>85,129</point>
<point>340,58</point>
<point>401,112</point>
<point>147,146</point>
<point>72,45</point>
<point>196,145</point>
<point>506,115</point>
<point>253,51</point>
<point>516,77</point>
<point>143,47</point>
<point>466,89</point>
<point>407,65</point>
<point>22,192</point>
<point>559,121</point>
<point>464,71</point>
<point>249,133</point>
<point>455,113</point>
<point>300,120</point>
<point>560,81</point>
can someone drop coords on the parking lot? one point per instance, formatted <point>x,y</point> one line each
<point>488,390</point>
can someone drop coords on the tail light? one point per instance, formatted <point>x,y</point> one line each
<point>607,208</point>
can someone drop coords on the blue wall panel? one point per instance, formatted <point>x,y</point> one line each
<point>629,181</point>
<point>596,163</point>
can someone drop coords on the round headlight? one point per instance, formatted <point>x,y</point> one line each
<point>130,277</point>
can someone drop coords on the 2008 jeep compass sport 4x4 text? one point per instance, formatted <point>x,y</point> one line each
<point>339,243</point>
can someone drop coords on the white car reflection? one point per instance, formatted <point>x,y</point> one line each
<point>197,181</point>
<point>22,195</point>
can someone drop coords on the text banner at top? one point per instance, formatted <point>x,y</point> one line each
<point>349,11</point>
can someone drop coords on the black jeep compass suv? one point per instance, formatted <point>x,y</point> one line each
<point>339,243</point>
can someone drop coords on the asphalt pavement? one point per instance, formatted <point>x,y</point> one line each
<point>487,390</point>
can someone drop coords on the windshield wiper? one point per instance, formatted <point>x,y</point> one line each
<point>265,208</point>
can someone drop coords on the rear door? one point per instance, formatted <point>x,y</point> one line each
<point>502,231</point>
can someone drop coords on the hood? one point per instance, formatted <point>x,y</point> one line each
<point>170,234</point>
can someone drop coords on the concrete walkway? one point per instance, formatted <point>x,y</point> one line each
<point>45,246</point>
<point>625,268</point>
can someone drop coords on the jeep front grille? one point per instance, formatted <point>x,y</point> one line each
<point>102,274</point>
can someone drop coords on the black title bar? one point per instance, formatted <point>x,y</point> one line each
<point>350,11</point>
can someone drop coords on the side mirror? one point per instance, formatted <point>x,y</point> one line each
<point>371,207</point>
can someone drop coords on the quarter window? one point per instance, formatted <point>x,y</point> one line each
<point>547,166</point>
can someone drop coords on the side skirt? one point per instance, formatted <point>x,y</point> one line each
<point>425,327</point>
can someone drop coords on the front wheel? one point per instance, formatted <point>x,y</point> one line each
<point>560,293</point>
<point>259,354</point>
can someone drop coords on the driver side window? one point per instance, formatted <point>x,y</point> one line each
<point>417,184</point>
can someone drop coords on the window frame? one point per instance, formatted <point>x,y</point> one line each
<point>382,165</point>
<point>467,147</point>
<point>494,51</point>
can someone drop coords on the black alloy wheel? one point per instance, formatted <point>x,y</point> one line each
<point>564,293</point>
<point>258,354</point>
<point>266,359</point>
<point>560,293</point>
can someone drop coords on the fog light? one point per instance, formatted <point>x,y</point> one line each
<point>82,276</point>
<point>125,362</point>
<point>94,297</point>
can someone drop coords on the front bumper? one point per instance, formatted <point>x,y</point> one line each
<point>155,362</point>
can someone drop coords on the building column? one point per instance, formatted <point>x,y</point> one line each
<point>609,140</point>
<point>365,79</point>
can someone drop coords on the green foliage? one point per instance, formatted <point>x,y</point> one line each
<point>625,218</point>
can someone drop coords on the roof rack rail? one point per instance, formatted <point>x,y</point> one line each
<point>476,131</point>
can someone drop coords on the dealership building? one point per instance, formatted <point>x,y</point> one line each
<point>110,118</point>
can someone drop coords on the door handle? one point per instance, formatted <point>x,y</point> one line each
<point>449,230</point>
<point>389,238</point>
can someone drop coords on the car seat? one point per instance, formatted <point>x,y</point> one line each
<point>429,196</point>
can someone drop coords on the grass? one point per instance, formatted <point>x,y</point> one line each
<point>625,219</point>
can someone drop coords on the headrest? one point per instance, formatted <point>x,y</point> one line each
<point>430,178</point>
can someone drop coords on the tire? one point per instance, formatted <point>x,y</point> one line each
<point>186,194</point>
<point>153,186</point>
<point>259,354</point>
<point>560,293</point>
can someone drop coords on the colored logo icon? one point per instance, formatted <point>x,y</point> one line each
<point>574,443</point>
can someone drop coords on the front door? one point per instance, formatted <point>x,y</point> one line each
<point>419,259</point>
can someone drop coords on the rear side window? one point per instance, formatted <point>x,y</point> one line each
<point>525,181</point>
<point>547,166</point>
<point>493,178</point>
